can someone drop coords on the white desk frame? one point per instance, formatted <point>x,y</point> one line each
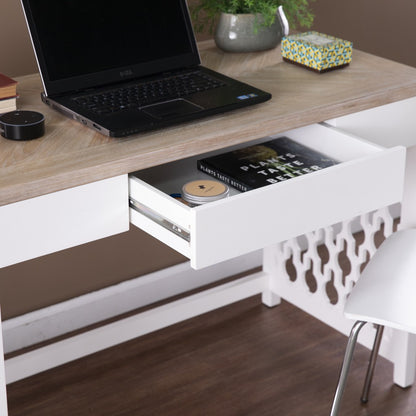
<point>269,282</point>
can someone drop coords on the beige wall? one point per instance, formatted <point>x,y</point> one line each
<point>57,277</point>
<point>16,50</point>
<point>382,27</point>
<point>376,26</point>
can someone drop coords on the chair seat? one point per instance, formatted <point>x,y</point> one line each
<point>385,294</point>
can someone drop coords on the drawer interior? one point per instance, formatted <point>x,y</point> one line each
<point>169,178</point>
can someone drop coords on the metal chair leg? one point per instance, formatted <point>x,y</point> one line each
<point>372,363</point>
<point>352,340</point>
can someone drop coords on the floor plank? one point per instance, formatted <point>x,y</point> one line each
<point>244,359</point>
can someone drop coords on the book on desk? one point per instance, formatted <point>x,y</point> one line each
<point>8,94</point>
<point>263,164</point>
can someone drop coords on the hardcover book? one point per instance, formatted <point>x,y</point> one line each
<point>8,87</point>
<point>7,104</point>
<point>271,162</point>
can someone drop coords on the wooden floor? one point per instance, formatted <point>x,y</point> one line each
<point>244,359</point>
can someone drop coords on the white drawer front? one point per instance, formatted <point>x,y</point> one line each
<point>63,219</point>
<point>369,177</point>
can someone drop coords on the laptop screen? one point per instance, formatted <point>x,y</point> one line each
<point>87,43</point>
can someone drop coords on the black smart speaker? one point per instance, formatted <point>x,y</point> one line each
<point>22,125</point>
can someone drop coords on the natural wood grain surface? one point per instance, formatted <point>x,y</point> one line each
<point>70,154</point>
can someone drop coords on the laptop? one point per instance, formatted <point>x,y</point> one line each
<point>128,66</point>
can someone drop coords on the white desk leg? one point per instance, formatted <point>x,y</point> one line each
<point>404,343</point>
<point>268,297</point>
<point>404,358</point>
<point>3,394</point>
<point>408,215</point>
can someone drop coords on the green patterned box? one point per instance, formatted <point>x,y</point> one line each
<point>316,51</point>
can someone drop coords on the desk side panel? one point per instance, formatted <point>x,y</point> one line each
<point>53,222</point>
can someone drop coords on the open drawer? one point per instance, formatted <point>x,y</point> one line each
<point>367,178</point>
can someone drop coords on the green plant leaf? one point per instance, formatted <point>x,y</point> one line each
<point>205,12</point>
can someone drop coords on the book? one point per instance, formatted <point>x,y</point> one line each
<point>267,163</point>
<point>7,104</point>
<point>8,87</point>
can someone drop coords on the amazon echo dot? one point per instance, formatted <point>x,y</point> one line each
<point>22,125</point>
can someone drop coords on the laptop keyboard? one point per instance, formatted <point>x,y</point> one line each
<point>146,93</point>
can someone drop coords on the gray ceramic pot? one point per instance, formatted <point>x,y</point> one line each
<point>245,33</point>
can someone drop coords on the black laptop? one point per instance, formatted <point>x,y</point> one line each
<point>127,66</point>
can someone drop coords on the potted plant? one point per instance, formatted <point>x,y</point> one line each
<point>249,25</point>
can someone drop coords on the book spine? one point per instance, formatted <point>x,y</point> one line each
<point>206,168</point>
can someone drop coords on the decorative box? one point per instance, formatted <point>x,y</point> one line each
<point>316,51</point>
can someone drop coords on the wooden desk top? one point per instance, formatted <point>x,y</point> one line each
<point>71,154</point>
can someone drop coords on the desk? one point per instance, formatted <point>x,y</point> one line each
<point>70,155</point>
<point>73,159</point>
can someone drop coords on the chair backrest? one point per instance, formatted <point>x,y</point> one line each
<point>385,293</point>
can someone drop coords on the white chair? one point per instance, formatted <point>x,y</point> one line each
<point>385,295</point>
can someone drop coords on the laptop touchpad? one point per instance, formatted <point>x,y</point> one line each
<point>170,109</point>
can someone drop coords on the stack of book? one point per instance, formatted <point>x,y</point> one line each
<point>8,94</point>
